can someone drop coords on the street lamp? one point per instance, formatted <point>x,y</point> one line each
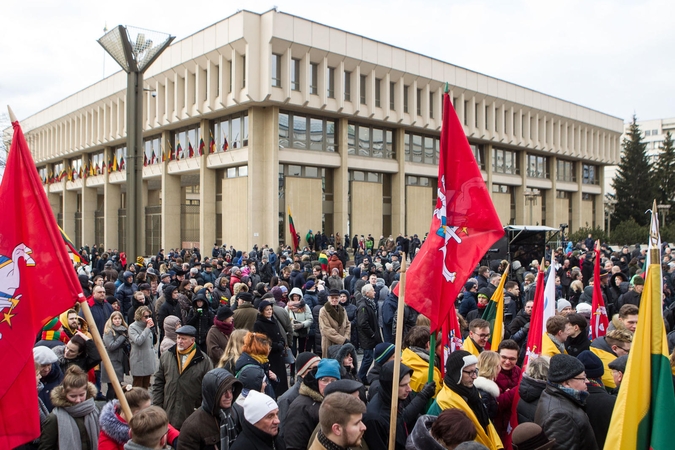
<point>531,196</point>
<point>610,205</point>
<point>664,210</point>
<point>134,49</point>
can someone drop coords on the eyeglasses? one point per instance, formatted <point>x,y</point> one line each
<point>471,373</point>
<point>580,378</point>
<point>482,336</point>
<point>506,358</point>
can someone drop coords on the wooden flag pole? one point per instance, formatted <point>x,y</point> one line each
<point>110,370</point>
<point>397,354</point>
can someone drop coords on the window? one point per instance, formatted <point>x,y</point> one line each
<point>348,86</point>
<point>466,112</point>
<point>330,82</point>
<point>231,132</point>
<point>562,194</point>
<point>234,172</point>
<point>590,174</point>
<point>243,70</point>
<point>372,142</point>
<point>371,177</point>
<point>419,102</point>
<point>655,132</point>
<point>479,154</point>
<point>405,99</point>
<point>307,133</point>
<point>186,143</point>
<point>362,89</point>
<point>275,69</point>
<point>378,82</point>
<point>504,161</point>
<point>98,163</point>
<point>295,74</point>
<point>565,171</point>
<point>292,170</point>
<point>500,188</point>
<point>417,181</point>
<point>314,79</point>
<point>392,91</point>
<point>431,105</point>
<point>152,150</point>
<point>422,149</point>
<point>537,166</point>
<point>230,87</point>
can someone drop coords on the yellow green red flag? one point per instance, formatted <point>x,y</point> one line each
<point>494,313</point>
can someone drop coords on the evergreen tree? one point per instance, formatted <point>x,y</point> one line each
<point>635,183</point>
<point>665,172</point>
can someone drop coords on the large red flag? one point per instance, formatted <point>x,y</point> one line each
<point>463,227</point>
<point>37,282</point>
<point>599,320</point>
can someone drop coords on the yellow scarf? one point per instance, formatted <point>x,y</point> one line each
<point>262,359</point>
<point>447,399</point>
<point>188,353</point>
<point>470,347</point>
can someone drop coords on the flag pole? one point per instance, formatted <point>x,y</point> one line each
<point>12,117</point>
<point>110,370</point>
<point>393,414</point>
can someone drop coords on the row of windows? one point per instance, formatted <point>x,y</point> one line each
<point>591,174</point>
<point>363,140</point>
<point>417,181</point>
<point>651,132</point>
<point>505,161</point>
<point>422,149</point>
<point>537,166</point>
<point>359,175</point>
<point>307,133</point>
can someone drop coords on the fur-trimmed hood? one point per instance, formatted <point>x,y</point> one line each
<point>58,395</point>
<point>339,352</point>
<point>112,425</point>
<point>311,393</point>
<point>488,386</point>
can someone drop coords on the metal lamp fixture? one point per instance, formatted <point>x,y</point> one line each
<point>134,49</point>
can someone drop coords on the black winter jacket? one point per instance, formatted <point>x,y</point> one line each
<point>530,391</point>
<point>369,332</point>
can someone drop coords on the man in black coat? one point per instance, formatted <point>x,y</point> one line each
<point>260,427</point>
<point>369,331</point>
<point>599,404</point>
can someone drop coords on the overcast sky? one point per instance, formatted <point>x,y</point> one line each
<point>613,56</point>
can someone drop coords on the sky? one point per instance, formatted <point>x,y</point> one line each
<point>611,56</point>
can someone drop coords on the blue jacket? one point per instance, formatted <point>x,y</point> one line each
<point>468,303</point>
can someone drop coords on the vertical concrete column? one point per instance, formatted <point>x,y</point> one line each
<point>89,204</point>
<point>398,199</point>
<point>487,159</point>
<point>576,222</point>
<point>69,207</point>
<point>171,201</point>
<point>522,207</point>
<point>552,214</point>
<point>54,201</point>
<point>263,176</point>
<point>112,201</point>
<point>341,182</point>
<point>600,200</point>
<point>207,194</point>
<point>141,219</point>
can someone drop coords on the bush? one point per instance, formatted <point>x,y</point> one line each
<point>629,232</point>
<point>582,233</point>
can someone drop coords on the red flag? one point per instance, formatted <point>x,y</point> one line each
<point>33,256</point>
<point>599,320</point>
<point>463,227</point>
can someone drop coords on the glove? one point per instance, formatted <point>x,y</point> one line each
<point>429,390</point>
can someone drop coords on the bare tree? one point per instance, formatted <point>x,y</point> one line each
<point>5,142</point>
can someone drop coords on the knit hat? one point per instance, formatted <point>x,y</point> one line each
<point>584,308</point>
<point>469,285</point>
<point>562,304</point>
<point>530,436</point>
<point>592,364</point>
<point>619,364</point>
<point>457,361</point>
<point>383,351</point>
<point>328,368</point>
<point>304,361</point>
<point>347,386</point>
<point>564,367</point>
<point>144,287</point>
<point>264,304</point>
<point>50,332</point>
<point>283,288</point>
<point>638,280</point>
<point>44,355</point>
<point>309,284</point>
<point>257,405</point>
<point>245,296</point>
<point>485,292</point>
<point>224,313</point>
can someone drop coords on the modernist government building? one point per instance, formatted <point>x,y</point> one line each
<point>340,129</point>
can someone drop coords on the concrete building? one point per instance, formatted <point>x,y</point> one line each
<point>340,129</point>
<point>654,133</point>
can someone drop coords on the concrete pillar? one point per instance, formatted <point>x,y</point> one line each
<point>55,202</point>
<point>552,213</point>
<point>141,220</point>
<point>487,158</point>
<point>69,210</point>
<point>112,201</point>
<point>600,200</point>
<point>398,197</point>
<point>89,205</point>
<point>263,176</point>
<point>171,201</point>
<point>522,207</point>
<point>341,183</point>
<point>575,220</point>
<point>207,196</point>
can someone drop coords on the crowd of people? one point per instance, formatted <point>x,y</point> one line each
<point>284,350</point>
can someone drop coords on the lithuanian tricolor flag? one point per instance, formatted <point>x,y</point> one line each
<point>494,313</point>
<point>645,407</point>
<point>293,232</point>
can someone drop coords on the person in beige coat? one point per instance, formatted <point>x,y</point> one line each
<point>333,323</point>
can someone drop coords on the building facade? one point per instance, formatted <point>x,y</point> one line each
<point>260,114</point>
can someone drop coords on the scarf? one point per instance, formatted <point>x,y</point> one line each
<point>595,382</point>
<point>579,396</point>
<point>227,430</point>
<point>327,443</point>
<point>472,398</point>
<point>185,356</point>
<point>262,359</point>
<point>224,327</point>
<point>337,313</point>
<point>69,434</point>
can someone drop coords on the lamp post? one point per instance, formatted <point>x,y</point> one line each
<point>134,49</point>
<point>610,204</point>
<point>664,210</point>
<point>531,197</point>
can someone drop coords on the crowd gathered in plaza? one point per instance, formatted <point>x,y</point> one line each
<point>275,349</point>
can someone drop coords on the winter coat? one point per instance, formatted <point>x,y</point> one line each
<point>530,391</point>
<point>630,297</point>
<point>245,317</point>
<point>369,332</point>
<point>311,299</point>
<point>563,419</point>
<point>169,334</point>
<point>179,393</point>
<point>335,282</point>
<point>86,361</point>
<point>489,391</point>
<point>253,438</point>
<point>247,360</point>
<point>114,429</point>
<point>116,341</point>
<point>418,360</point>
<point>100,311</point>
<point>389,308</point>
<point>350,309</point>
<point>599,407</point>
<point>49,382</point>
<point>468,303</point>
<point>202,429</point>
<point>303,416</point>
<point>216,342</point>
<point>340,352</point>
<point>507,381</point>
<point>124,294</point>
<point>332,332</point>
<point>284,402</point>
<point>135,304</point>
<point>142,357</point>
<point>303,316</point>
<point>202,321</point>
<point>576,345</point>
<point>421,438</point>
<point>335,263</point>
<point>270,327</point>
<point>222,293</point>
<point>170,307</point>
<point>49,438</point>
